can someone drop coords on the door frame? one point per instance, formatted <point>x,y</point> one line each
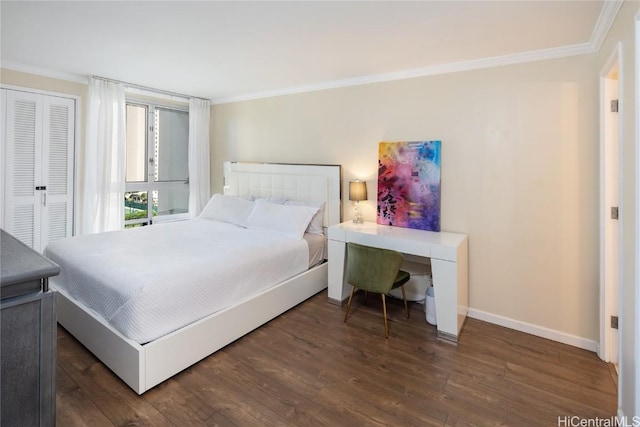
<point>608,349</point>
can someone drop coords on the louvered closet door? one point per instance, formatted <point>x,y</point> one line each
<point>38,166</point>
<point>22,147</point>
<point>57,168</point>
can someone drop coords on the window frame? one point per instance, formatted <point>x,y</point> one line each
<point>150,185</point>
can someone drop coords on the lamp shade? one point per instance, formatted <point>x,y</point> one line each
<point>357,191</point>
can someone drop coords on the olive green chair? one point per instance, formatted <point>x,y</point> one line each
<point>375,270</point>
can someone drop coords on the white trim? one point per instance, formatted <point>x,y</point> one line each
<point>39,91</point>
<point>608,14</point>
<point>30,69</point>
<point>454,67</point>
<point>636,321</point>
<point>606,308</point>
<point>539,331</point>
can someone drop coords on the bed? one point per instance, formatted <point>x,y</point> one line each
<point>143,358</point>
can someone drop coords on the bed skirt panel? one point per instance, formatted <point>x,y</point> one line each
<point>142,367</point>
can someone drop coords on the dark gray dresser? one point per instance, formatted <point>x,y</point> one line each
<point>27,336</point>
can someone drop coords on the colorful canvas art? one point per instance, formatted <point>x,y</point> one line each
<point>409,184</point>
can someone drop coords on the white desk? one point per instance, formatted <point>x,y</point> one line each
<point>449,253</point>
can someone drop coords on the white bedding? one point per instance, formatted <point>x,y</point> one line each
<point>149,281</point>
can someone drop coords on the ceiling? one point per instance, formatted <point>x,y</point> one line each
<point>232,50</point>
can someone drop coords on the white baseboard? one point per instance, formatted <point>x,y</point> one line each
<point>539,331</point>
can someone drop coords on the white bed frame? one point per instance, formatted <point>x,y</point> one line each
<point>145,366</point>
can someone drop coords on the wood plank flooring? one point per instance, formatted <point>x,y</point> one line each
<point>309,368</point>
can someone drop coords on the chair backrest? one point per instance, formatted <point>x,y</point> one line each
<point>372,269</point>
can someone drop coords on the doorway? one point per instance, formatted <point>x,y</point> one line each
<point>610,106</point>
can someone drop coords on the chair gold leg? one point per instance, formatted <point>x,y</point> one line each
<point>384,314</point>
<point>404,297</point>
<point>353,288</point>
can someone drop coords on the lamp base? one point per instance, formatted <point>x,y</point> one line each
<point>357,218</point>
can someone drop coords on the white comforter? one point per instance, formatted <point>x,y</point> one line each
<point>149,281</point>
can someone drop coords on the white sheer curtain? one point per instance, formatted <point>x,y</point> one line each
<point>103,159</point>
<point>199,167</point>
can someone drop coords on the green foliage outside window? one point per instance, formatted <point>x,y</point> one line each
<point>135,215</point>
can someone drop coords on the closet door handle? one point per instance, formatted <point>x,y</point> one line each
<point>43,198</point>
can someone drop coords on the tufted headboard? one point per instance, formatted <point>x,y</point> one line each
<point>309,183</point>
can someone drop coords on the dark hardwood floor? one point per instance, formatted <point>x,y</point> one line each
<point>307,367</point>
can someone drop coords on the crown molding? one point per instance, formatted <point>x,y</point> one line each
<point>454,67</point>
<point>610,10</point>
<point>29,69</point>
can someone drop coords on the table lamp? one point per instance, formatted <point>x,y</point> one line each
<point>357,193</point>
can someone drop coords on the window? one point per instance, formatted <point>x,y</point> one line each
<point>157,169</point>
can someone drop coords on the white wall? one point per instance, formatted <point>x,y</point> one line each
<point>623,31</point>
<point>519,171</point>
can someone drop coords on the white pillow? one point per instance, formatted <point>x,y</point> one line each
<point>286,219</point>
<point>276,200</point>
<point>231,209</point>
<point>315,226</point>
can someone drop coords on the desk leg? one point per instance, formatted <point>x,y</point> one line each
<point>451,297</point>
<point>338,290</point>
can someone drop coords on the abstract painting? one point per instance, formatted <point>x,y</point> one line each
<point>409,184</point>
